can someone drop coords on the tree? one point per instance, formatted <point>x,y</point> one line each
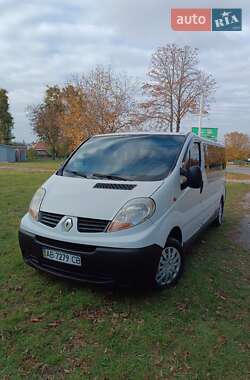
<point>111,100</point>
<point>74,122</point>
<point>6,120</point>
<point>175,86</point>
<point>45,119</point>
<point>100,101</point>
<point>31,154</point>
<point>237,146</point>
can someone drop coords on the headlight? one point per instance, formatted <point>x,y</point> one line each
<point>36,202</point>
<point>132,213</point>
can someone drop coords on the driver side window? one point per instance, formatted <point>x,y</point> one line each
<point>195,154</point>
<point>192,156</point>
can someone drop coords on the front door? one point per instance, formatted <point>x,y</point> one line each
<point>190,200</point>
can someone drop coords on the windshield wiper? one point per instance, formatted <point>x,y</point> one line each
<point>77,173</point>
<point>110,176</point>
<point>97,175</point>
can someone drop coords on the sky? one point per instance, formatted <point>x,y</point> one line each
<point>46,42</point>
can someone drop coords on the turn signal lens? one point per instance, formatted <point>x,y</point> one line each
<point>36,202</point>
<point>117,226</point>
<point>134,212</point>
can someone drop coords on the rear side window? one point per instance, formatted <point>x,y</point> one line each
<point>214,157</point>
<point>215,161</point>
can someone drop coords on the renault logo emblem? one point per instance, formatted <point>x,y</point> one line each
<point>68,224</point>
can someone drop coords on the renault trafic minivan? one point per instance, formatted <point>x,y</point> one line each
<point>124,206</point>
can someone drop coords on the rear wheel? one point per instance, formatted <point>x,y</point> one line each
<point>220,216</point>
<point>170,265</point>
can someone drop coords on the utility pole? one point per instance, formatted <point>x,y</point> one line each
<point>201,113</point>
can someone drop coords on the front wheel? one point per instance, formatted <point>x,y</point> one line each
<point>220,216</point>
<point>170,265</point>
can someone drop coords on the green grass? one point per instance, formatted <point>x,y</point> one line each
<point>52,329</point>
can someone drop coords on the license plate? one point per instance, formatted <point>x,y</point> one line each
<point>62,257</point>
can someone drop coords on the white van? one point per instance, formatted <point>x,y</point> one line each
<point>123,207</point>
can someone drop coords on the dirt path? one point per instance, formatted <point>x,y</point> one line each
<point>23,169</point>
<point>247,181</point>
<point>244,232</point>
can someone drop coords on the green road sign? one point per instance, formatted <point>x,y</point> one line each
<point>207,133</point>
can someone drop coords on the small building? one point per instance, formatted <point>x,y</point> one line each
<point>41,149</point>
<point>13,153</point>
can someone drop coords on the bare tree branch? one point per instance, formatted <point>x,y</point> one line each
<point>175,86</point>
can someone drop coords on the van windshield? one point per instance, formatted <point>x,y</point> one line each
<point>126,157</point>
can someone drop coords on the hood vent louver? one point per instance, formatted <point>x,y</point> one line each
<point>114,186</point>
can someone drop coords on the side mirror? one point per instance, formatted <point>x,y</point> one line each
<point>194,177</point>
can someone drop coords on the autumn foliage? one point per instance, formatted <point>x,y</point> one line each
<point>237,146</point>
<point>99,102</point>
<point>102,101</point>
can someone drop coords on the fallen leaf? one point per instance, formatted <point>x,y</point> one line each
<point>35,320</point>
<point>54,323</point>
<point>222,339</point>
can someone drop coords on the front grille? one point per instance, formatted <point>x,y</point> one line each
<point>49,219</point>
<point>83,224</point>
<point>114,186</point>
<point>91,225</point>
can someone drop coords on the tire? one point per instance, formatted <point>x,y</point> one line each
<point>220,215</point>
<point>168,275</point>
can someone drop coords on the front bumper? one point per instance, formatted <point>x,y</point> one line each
<point>101,265</point>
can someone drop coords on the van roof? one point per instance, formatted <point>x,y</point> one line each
<point>144,133</point>
<point>162,133</point>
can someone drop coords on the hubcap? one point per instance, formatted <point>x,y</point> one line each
<point>168,267</point>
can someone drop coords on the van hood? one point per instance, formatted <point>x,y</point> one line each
<point>73,196</point>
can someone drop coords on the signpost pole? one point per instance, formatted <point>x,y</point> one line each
<point>201,113</point>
